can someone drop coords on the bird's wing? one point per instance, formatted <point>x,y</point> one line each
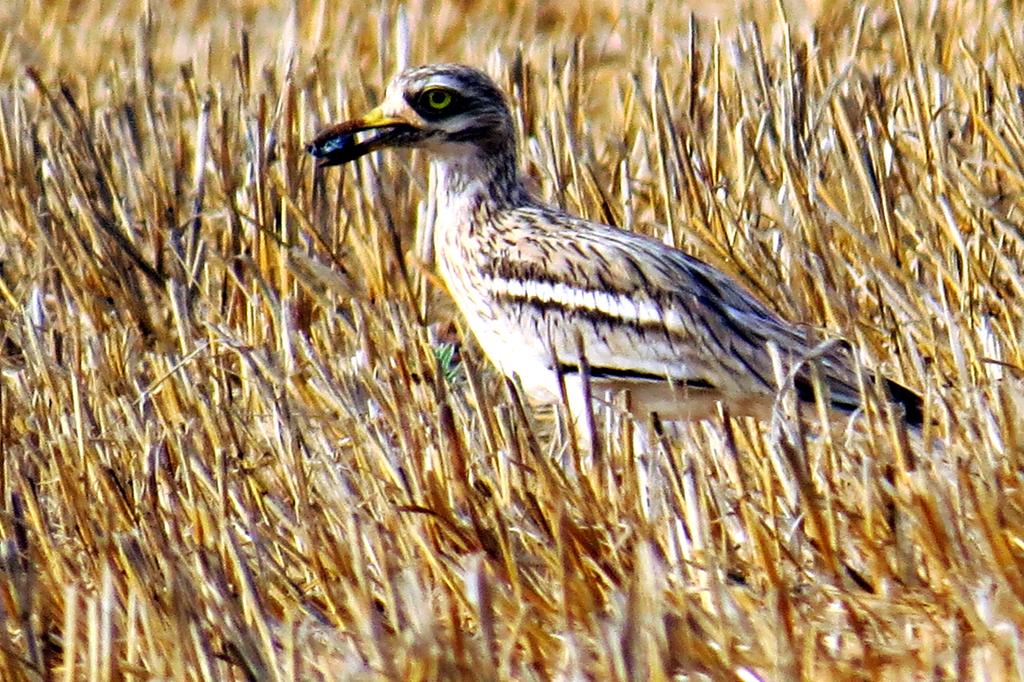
<point>645,310</point>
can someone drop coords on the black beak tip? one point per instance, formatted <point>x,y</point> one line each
<point>331,149</point>
<point>322,159</point>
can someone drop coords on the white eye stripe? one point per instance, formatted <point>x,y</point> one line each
<point>444,82</point>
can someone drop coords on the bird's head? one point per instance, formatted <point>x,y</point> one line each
<point>449,109</point>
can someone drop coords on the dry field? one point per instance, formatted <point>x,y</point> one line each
<point>244,437</point>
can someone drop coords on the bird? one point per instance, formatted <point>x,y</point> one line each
<point>571,308</point>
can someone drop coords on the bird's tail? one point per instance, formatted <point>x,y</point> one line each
<point>912,403</point>
<point>844,396</point>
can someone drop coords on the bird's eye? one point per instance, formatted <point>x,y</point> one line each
<point>436,102</point>
<point>438,99</point>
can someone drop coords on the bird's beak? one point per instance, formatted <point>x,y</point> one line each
<point>338,144</point>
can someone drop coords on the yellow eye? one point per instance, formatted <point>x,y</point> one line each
<point>438,99</point>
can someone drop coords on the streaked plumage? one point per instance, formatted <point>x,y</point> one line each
<point>533,282</point>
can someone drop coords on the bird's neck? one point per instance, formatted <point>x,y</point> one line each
<point>471,192</point>
<point>477,179</point>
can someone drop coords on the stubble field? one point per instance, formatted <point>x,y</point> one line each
<point>243,434</point>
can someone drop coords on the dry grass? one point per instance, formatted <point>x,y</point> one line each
<point>235,444</point>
